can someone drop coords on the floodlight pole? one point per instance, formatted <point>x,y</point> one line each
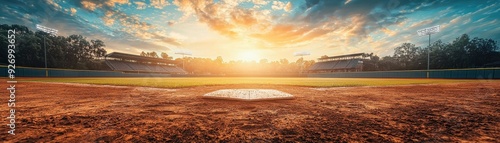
<point>183,58</point>
<point>428,53</point>
<point>48,31</point>
<point>302,63</point>
<point>428,31</point>
<point>45,56</point>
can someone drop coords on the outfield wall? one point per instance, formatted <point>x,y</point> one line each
<point>40,72</point>
<point>479,73</point>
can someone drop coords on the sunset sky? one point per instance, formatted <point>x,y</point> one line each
<point>257,29</point>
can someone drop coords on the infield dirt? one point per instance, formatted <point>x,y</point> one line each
<point>57,112</point>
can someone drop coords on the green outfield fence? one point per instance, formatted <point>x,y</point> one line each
<point>476,73</point>
<point>40,72</point>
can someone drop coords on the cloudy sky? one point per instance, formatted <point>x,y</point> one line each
<point>257,29</point>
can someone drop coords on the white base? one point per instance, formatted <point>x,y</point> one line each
<point>248,94</point>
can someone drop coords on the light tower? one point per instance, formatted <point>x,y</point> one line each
<point>301,54</point>
<point>428,31</point>
<point>51,32</point>
<point>183,53</point>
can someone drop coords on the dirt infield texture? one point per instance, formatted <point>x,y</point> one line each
<point>56,112</point>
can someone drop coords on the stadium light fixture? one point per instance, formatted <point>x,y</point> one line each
<point>428,31</point>
<point>301,54</point>
<point>52,32</point>
<point>183,53</point>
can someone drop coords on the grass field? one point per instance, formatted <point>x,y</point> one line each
<point>207,81</point>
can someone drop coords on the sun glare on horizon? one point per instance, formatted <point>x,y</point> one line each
<point>249,56</point>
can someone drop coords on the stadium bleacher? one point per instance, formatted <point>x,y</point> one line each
<point>118,65</point>
<point>326,65</point>
<point>353,63</point>
<point>342,63</point>
<point>330,64</point>
<point>130,66</point>
<point>138,67</point>
<point>156,68</point>
<point>117,62</point>
<point>173,69</point>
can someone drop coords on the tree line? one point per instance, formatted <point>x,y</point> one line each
<point>153,54</point>
<point>71,52</point>
<point>463,52</point>
<point>218,66</point>
<point>196,65</point>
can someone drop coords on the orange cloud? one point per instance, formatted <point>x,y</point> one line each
<point>231,20</point>
<point>260,2</point>
<point>108,21</point>
<point>89,5</point>
<point>388,31</point>
<point>288,7</point>
<point>112,3</point>
<point>73,10</point>
<point>140,5</point>
<point>159,4</point>
<point>285,34</point>
<point>243,17</point>
<point>92,5</point>
<point>278,5</point>
<point>51,2</point>
<point>421,23</point>
<point>225,18</point>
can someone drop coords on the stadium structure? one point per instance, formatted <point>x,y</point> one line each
<point>341,63</point>
<point>141,64</point>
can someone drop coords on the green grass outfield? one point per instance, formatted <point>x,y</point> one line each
<point>207,81</point>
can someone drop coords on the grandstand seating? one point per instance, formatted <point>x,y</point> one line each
<point>326,65</point>
<point>353,63</point>
<point>167,68</point>
<point>118,65</point>
<point>173,69</point>
<point>130,66</point>
<point>123,62</point>
<point>179,70</point>
<point>335,65</point>
<point>330,64</point>
<point>155,68</point>
<point>139,67</point>
<point>342,64</point>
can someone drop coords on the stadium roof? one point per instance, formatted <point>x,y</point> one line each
<point>341,56</point>
<point>138,58</point>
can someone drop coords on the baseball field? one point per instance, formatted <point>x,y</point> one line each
<point>323,110</point>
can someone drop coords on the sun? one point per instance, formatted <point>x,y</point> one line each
<point>249,56</point>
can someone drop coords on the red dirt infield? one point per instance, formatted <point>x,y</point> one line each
<point>57,112</point>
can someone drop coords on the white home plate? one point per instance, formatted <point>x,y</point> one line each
<point>248,94</point>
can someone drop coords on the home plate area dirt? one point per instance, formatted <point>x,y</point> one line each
<point>47,112</point>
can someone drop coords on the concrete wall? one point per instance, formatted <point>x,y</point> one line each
<point>482,73</point>
<point>40,72</point>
